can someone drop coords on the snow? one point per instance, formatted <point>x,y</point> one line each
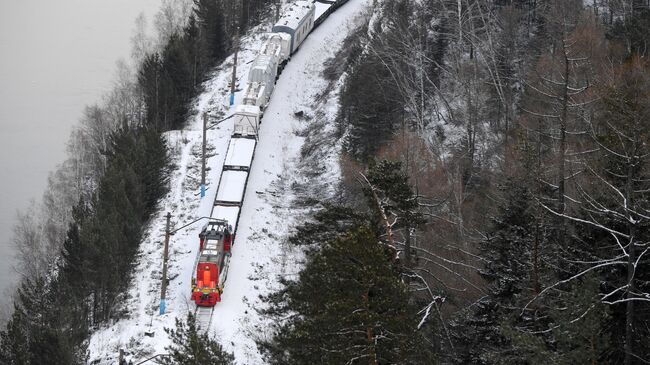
<point>295,14</point>
<point>247,109</point>
<point>260,255</point>
<point>229,213</point>
<point>321,8</point>
<point>231,187</point>
<point>240,152</point>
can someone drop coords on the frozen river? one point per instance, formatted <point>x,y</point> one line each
<point>55,58</point>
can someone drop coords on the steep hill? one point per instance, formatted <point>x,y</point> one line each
<point>268,214</point>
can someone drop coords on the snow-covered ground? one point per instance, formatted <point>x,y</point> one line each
<point>260,255</point>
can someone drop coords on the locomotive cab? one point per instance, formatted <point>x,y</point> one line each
<point>216,230</point>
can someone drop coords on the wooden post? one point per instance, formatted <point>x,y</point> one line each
<point>234,70</point>
<point>163,287</point>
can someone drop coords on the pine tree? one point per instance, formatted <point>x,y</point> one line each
<point>348,306</point>
<point>508,266</point>
<point>370,107</point>
<point>149,81</point>
<point>191,346</point>
<point>327,223</point>
<point>395,205</point>
<point>38,327</point>
<point>388,178</point>
<point>209,16</point>
<point>14,341</point>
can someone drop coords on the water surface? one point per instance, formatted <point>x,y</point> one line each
<point>55,57</point>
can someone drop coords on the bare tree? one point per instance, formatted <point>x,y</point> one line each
<point>612,197</point>
<point>141,44</point>
<point>560,93</point>
<point>171,18</point>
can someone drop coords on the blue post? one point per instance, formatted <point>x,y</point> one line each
<point>202,190</point>
<point>162,306</point>
<point>232,99</point>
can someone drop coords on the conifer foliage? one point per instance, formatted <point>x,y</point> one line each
<point>508,251</point>
<point>192,346</point>
<point>349,303</point>
<point>348,306</point>
<point>54,314</point>
<point>53,317</point>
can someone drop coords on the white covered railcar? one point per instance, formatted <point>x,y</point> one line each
<point>278,46</point>
<point>261,80</point>
<point>263,70</point>
<point>298,21</point>
<point>256,94</point>
<point>247,120</point>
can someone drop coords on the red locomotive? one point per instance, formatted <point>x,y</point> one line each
<point>212,267</point>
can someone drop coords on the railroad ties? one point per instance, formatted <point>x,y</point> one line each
<point>203,318</point>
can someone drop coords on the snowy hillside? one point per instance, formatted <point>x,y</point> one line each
<point>259,255</point>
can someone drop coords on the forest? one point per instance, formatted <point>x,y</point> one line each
<point>78,246</point>
<point>493,204</point>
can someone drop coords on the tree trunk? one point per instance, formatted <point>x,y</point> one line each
<point>562,153</point>
<point>460,23</point>
<point>407,248</point>
<point>631,258</point>
<point>370,335</point>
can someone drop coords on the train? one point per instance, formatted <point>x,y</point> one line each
<point>218,235</point>
<point>284,40</point>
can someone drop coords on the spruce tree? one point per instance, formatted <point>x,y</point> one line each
<point>149,82</point>
<point>370,106</point>
<point>14,341</point>
<point>348,306</point>
<point>479,332</point>
<point>192,346</point>
<point>210,18</point>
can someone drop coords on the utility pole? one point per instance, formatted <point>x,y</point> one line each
<point>163,287</point>
<point>205,127</point>
<point>234,70</point>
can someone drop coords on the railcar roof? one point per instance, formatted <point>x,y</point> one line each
<point>250,109</point>
<point>295,14</point>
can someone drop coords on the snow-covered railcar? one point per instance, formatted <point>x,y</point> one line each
<point>231,187</point>
<point>247,120</point>
<point>263,70</point>
<point>298,21</point>
<point>257,94</point>
<point>278,46</point>
<point>215,240</point>
<point>240,154</point>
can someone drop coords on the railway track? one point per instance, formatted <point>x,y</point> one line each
<point>233,180</point>
<point>203,317</point>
